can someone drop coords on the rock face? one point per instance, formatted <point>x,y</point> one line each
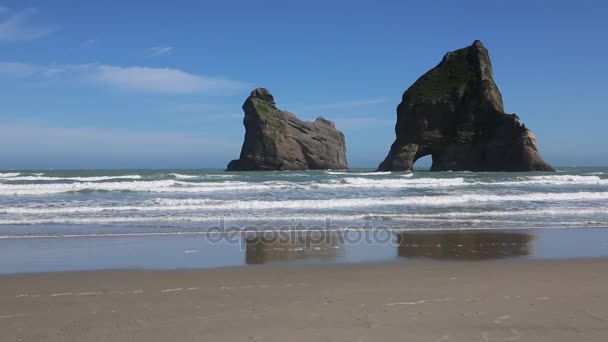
<point>455,113</point>
<point>278,140</point>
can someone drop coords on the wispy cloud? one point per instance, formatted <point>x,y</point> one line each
<point>157,80</point>
<point>160,51</point>
<point>19,27</point>
<point>134,79</point>
<point>88,43</point>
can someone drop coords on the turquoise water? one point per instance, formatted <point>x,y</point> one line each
<point>142,202</point>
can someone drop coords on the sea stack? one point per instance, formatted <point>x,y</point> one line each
<point>278,140</point>
<point>455,113</point>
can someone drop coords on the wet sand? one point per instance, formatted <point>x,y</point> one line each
<point>500,300</point>
<point>196,251</point>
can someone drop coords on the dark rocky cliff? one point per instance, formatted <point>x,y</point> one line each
<point>278,140</point>
<point>455,113</point>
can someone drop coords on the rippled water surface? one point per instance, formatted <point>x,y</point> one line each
<point>129,202</point>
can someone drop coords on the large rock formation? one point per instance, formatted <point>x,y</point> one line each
<point>454,113</point>
<point>278,140</point>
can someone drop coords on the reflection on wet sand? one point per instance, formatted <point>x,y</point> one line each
<point>290,247</point>
<point>464,245</point>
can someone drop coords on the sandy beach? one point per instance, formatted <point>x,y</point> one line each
<point>356,171</point>
<point>504,300</point>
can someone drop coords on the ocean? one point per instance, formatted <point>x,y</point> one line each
<point>67,220</point>
<point>98,202</point>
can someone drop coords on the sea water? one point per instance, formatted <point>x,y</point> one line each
<point>102,202</point>
<point>99,219</point>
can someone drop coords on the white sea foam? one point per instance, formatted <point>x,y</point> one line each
<point>207,176</point>
<point>375,173</point>
<point>560,180</point>
<point>218,176</point>
<point>170,185</point>
<point>463,199</point>
<point>408,181</point>
<point>525,213</point>
<point>161,186</point>
<point>79,179</point>
<point>57,188</point>
<point>181,176</point>
<point>9,174</point>
<point>362,182</point>
<point>320,205</point>
<point>134,184</point>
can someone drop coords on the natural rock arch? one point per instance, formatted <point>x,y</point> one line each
<point>423,162</point>
<point>455,113</point>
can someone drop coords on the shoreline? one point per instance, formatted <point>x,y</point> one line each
<point>333,230</point>
<point>198,251</point>
<point>540,300</point>
<point>293,268</point>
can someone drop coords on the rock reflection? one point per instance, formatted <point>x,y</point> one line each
<point>464,245</point>
<point>291,247</point>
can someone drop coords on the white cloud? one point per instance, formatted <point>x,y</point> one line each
<point>159,80</point>
<point>135,79</point>
<point>160,51</point>
<point>18,27</point>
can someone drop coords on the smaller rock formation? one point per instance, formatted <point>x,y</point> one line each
<point>455,113</point>
<point>278,140</point>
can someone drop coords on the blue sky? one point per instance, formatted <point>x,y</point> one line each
<point>125,84</point>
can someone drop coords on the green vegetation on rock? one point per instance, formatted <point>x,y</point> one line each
<point>455,112</point>
<point>263,109</point>
<point>442,80</point>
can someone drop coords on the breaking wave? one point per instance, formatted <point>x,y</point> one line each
<point>191,183</point>
<point>9,174</point>
<point>79,179</point>
<point>172,198</point>
<point>169,204</point>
